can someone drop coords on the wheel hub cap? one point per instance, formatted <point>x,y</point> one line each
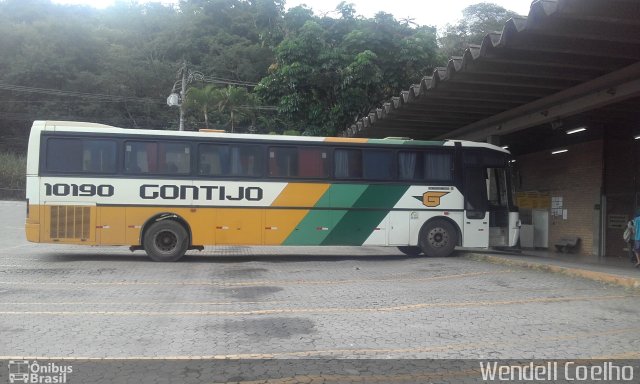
<point>438,237</point>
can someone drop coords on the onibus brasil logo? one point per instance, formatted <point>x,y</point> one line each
<point>25,371</point>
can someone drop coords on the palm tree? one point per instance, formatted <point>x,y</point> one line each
<point>234,100</point>
<point>204,99</point>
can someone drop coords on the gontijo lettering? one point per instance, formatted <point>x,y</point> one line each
<point>202,192</point>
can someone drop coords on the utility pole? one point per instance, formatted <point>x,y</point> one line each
<point>178,99</point>
<point>183,93</point>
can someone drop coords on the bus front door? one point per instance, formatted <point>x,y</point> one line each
<point>476,215</point>
<point>501,217</point>
<point>490,218</point>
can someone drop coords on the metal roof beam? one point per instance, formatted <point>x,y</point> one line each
<point>455,105</point>
<point>616,12</point>
<point>556,44</point>
<point>613,87</point>
<point>425,119</point>
<point>556,60</point>
<point>419,112</point>
<point>588,30</point>
<point>532,71</point>
<point>481,92</point>
<point>431,130</point>
<point>473,97</point>
<point>505,80</point>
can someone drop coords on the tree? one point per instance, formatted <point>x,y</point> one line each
<point>127,50</point>
<point>329,72</point>
<point>204,99</point>
<point>320,72</point>
<point>478,20</point>
<point>237,102</point>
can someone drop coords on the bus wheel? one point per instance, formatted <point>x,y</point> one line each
<point>438,238</point>
<point>166,240</point>
<point>410,250</point>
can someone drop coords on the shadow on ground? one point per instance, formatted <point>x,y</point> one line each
<point>274,257</point>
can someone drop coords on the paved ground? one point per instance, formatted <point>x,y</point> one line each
<point>254,302</point>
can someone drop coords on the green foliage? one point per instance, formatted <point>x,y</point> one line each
<point>330,71</point>
<point>129,50</point>
<point>238,103</point>
<point>203,99</point>
<point>291,132</point>
<point>478,20</point>
<point>231,105</point>
<point>321,73</point>
<point>12,175</point>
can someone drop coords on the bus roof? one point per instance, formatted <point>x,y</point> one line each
<point>77,126</point>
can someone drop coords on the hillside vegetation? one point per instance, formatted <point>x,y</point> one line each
<point>252,66</point>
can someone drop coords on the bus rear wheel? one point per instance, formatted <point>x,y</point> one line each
<point>166,240</point>
<point>438,238</point>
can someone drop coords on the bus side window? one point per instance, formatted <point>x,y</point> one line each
<point>425,166</point>
<point>304,162</point>
<point>410,165</point>
<point>99,156</point>
<point>438,166</point>
<point>213,160</point>
<point>68,155</point>
<point>64,155</point>
<point>348,163</point>
<point>313,162</point>
<point>475,192</point>
<point>174,158</point>
<point>283,162</point>
<point>140,157</point>
<point>244,160</point>
<point>378,164</point>
<point>498,187</point>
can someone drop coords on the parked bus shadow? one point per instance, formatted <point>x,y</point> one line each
<point>229,259</point>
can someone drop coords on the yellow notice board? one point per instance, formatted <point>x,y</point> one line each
<point>533,199</point>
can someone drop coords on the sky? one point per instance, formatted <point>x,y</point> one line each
<point>423,12</point>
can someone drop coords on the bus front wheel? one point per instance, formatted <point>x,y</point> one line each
<point>438,238</point>
<point>166,240</point>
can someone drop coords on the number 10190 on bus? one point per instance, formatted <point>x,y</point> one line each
<point>166,192</point>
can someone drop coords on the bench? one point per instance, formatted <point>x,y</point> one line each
<point>568,244</point>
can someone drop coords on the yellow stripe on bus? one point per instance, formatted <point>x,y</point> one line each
<point>300,195</point>
<point>345,140</point>
<point>118,225</point>
<point>280,223</point>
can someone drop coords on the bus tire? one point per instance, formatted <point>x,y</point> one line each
<point>166,240</point>
<point>410,250</point>
<point>438,238</point>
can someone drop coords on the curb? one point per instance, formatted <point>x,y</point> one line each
<point>622,281</point>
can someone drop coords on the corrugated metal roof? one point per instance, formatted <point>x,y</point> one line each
<point>558,46</point>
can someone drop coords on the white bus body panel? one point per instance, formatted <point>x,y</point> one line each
<point>514,228</point>
<point>476,232</point>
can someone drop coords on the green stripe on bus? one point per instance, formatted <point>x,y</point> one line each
<point>316,225</point>
<point>356,226</point>
<point>425,142</point>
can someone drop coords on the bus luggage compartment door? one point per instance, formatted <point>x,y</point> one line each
<point>476,229</point>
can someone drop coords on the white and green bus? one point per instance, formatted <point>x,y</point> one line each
<point>167,192</point>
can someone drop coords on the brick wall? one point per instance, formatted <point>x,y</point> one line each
<point>621,155</point>
<point>576,176</point>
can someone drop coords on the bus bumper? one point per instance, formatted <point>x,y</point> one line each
<point>33,232</point>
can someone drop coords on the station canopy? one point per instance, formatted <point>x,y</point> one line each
<point>568,62</point>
